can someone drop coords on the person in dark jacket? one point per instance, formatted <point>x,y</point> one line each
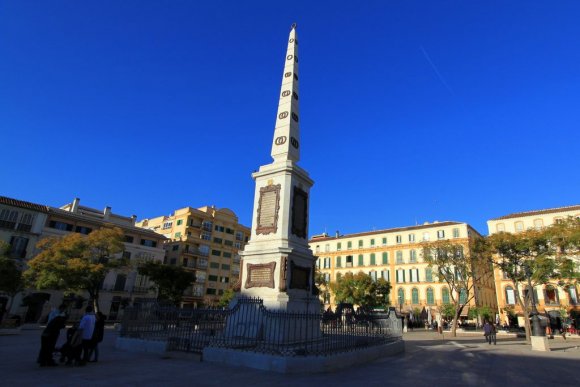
<point>98,334</point>
<point>49,338</point>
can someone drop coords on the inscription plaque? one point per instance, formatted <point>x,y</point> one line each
<point>260,275</point>
<point>299,213</point>
<point>299,277</point>
<point>268,206</point>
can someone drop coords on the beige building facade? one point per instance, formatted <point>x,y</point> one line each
<point>396,255</point>
<point>120,287</point>
<point>551,298</point>
<point>205,241</point>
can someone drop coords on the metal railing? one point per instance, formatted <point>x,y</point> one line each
<point>250,326</point>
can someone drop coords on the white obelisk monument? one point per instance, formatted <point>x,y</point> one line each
<point>277,263</point>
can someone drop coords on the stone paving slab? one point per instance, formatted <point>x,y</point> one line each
<point>429,360</point>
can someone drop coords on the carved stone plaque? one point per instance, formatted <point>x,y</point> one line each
<point>260,275</point>
<point>299,213</point>
<point>268,207</point>
<point>299,277</point>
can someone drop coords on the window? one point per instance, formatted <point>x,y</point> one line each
<point>463,296</point>
<point>414,275</point>
<point>225,254</point>
<point>229,231</point>
<point>224,280</point>
<point>219,228</point>
<point>317,249</point>
<point>18,247</point>
<point>180,222</point>
<point>440,234</point>
<point>214,265</point>
<point>237,245</point>
<point>411,237</point>
<point>373,275</point>
<point>8,219</point>
<point>360,244</point>
<point>385,258</point>
<point>361,261</point>
<point>178,234</point>
<point>174,247</point>
<point>519,226</point>
<point>428,274</point>
<point>338,259</point>
<point>239,236</point>
<point>338,246</point>
<point>386,275</point>
<point>207,225</point>
<point>225,267</point>
<point>203,250</point>
<point>349,261</point>
<point>349,245</point>
<point>148,243</point>
<point>206,236</point>
<point>120,283</point>
<point>401,296</point>
<point>500,227</point>
<point>398,239</point>
<point>372,243</point>
<point>399,255</point>
<point>59,225</point>
<point>455,233</point>
<point>445,295</point>
<point>373,260</point>
<point>83,230</point>
<point>217,253</point>
<point>400,275</point>
<point>510,298</point>
<point>327,248</point>
<point>430,297</point>
<point>538,223</point>
<point>551,295</point>
<point>167,225</point>
<point>412,256</point>
<point>384,241</point>
<point>415,296</point>
<point>212,278</point>
<point>210,291</point>
<point>426,236</point>
<point>228,243</point>
<point>25,223</point>
<point>218,240</point>
<point>573,295</point>
<point>326,263</point>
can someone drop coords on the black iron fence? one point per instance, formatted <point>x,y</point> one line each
<point>250,326</point>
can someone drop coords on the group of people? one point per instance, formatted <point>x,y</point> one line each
<point>82,341</point>
<point>490,332</point>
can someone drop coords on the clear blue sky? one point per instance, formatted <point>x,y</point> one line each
<point>411,111</point>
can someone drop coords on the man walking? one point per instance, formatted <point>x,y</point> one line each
<point>487,331</point>
<point>87,327</point>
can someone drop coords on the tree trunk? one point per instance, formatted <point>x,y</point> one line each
<point>526,314</point>
<point>454,324</point>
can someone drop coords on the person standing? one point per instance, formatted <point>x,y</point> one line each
<point>487,331</point>
<point>49,338</point>
<point>87,328</point>
<point>493,334</point>
<point>98,335</point>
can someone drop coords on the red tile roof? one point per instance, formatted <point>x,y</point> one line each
<point>539,212</point>
<point>23,204</point>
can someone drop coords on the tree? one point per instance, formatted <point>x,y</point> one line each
<point>10,275</point>
<point>459,269</point>
<point>323,286</point>
<point>360,289</point>
<point>170,281</point>
<point>76,262</point>
<point>226,298</point>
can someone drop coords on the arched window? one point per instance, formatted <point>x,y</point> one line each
<point>415,296</point>
<point>430,296</point>
<point>510,297</point>
<point>401,296</point>
<point>445,295</point>
<point>463,296</point>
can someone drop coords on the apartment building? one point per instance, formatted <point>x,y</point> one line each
<point>396,255</point>
<point>205,241</point>
<point>35,221</point>
<point>550,298</point>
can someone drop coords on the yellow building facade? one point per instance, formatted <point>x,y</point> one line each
<point>396,255</point>
<point>205,241</point>
<point>550,298</point>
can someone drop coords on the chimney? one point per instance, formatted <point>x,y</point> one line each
<point>133,219</point>
<point>107,213</point>
<point>337,234</point>
<point>75,205</point>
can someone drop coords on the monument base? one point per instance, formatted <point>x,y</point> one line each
<point>301,364</point>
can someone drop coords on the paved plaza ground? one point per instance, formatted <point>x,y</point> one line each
<point>430,360</point>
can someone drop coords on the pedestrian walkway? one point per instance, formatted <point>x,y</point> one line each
<point>430,359</point>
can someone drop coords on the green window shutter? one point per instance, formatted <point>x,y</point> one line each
<point>373,259</point>
<point>445,295</point>
<point>385,258</point>
<point>361,260</point>
<point>430,298</point>
<point>415,296</point>
<point>338,264</point>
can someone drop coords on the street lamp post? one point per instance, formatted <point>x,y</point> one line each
<point>536,326</point>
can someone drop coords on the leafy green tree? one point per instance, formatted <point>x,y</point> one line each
<point>226,298</point>
<point>447,311</point>
<point>322,285</point>
<point>360,289</point>
<point>460,269</point>
<point>76,262</point>
<point>170,281</point>
<point>10,274</point>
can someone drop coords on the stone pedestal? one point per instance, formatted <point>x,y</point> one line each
<point>540,343</point>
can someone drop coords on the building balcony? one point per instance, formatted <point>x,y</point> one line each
<point>141,289</point>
